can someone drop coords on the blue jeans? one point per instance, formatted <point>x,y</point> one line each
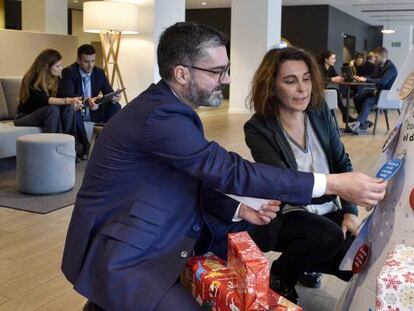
<point>364,106</point>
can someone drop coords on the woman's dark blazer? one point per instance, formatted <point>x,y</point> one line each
<point>269,145</point>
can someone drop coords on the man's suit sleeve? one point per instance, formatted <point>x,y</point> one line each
<point>67,85</point>
<point>218,204</point>
<point>173,136</point>
<point>105,86</point>
<point>388,76</point>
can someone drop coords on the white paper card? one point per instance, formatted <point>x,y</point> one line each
<point>249,201</point>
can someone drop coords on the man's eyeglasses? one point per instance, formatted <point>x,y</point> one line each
<point>221,72</point>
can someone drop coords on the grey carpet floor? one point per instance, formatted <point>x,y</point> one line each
<point>10,196</point>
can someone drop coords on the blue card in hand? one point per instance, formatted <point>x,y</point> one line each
<point>389,169</point>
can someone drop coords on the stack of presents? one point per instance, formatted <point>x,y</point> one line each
<point>395,283</point>
<point>241,285</point>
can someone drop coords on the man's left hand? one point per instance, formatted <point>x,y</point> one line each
<point>350,223</point>
<point>262,216</point>
<point>92,102</point>
<point>361,79</point>
<point>116,98</point>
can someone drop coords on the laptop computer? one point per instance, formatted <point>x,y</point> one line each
<point>346,73</point>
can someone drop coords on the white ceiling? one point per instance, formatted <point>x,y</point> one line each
<point>374,12</point>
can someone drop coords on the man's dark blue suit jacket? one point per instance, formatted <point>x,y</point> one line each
<point>138,213</point>
<point>71,82</point>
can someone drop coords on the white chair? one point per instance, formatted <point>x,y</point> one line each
<point>386,104</point>
<point>331,98</point>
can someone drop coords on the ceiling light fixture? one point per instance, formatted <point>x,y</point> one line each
<point>386,29</point>
<point>203,3</point>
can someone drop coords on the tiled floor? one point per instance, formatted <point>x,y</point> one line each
<point>317,299</point>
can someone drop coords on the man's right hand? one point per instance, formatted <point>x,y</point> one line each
<point>355,187</point>
<point>76,103</point>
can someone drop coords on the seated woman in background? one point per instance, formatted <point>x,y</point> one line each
<point>357,62</point>
<point>367,69</point>
<point>39,104</point>
<point>327,62</point>
<point>293,128</point>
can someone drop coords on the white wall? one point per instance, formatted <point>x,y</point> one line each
<point>18,49</point>
<point>50,16</point>
<point>77,29</point>
<point>255,27</point>
<point>137,57</point>
<point>56,16</point>
<point>403,34</point>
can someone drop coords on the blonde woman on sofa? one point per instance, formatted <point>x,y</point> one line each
<point>39,102</point>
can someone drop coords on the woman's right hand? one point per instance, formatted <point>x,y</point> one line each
<point>76,102</point>
<point>337,79</point>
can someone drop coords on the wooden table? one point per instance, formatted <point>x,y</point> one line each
<point>348,95</point>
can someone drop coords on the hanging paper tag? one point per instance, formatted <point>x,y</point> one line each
<point>391,137</point>
<point>389,169</point>
<point>361,258</point>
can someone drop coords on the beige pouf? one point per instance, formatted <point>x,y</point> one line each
<point>45,163</point>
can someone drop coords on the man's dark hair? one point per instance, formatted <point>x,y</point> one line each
<point>86,49</point>
<point>184,43</point>
<point>381,50</point>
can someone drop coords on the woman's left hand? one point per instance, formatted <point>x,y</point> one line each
<point>350,223</point>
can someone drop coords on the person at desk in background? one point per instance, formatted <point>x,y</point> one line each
<point>383,78</point>
<point>327,62</point>
<point>368,68</point>
<point>84,79</point>
<point>40,102</point>
<point>293,128</point>
<point>140,211</point>
<point>356,62</point>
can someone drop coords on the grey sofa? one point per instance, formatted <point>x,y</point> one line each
<point>9,93</point>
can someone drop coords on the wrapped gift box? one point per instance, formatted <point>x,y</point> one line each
<point>214,285</point>
<point>211,283</point>
<point>252,271</point>
<point>395,283</point>
<point>280,303</point>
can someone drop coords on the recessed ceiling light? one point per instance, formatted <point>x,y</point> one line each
<point>387,31</point>
<point>75,1</point>
<point>203,3</point>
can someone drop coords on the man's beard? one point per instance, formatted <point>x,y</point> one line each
<point>199,97</point>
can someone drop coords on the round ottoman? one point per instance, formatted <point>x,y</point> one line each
<point>45,163</point>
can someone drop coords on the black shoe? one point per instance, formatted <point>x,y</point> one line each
<point>82,152</point>
<point>350,119</point>
<point>281,288</point>
<point>311,279</point>
<point>90,306</point>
